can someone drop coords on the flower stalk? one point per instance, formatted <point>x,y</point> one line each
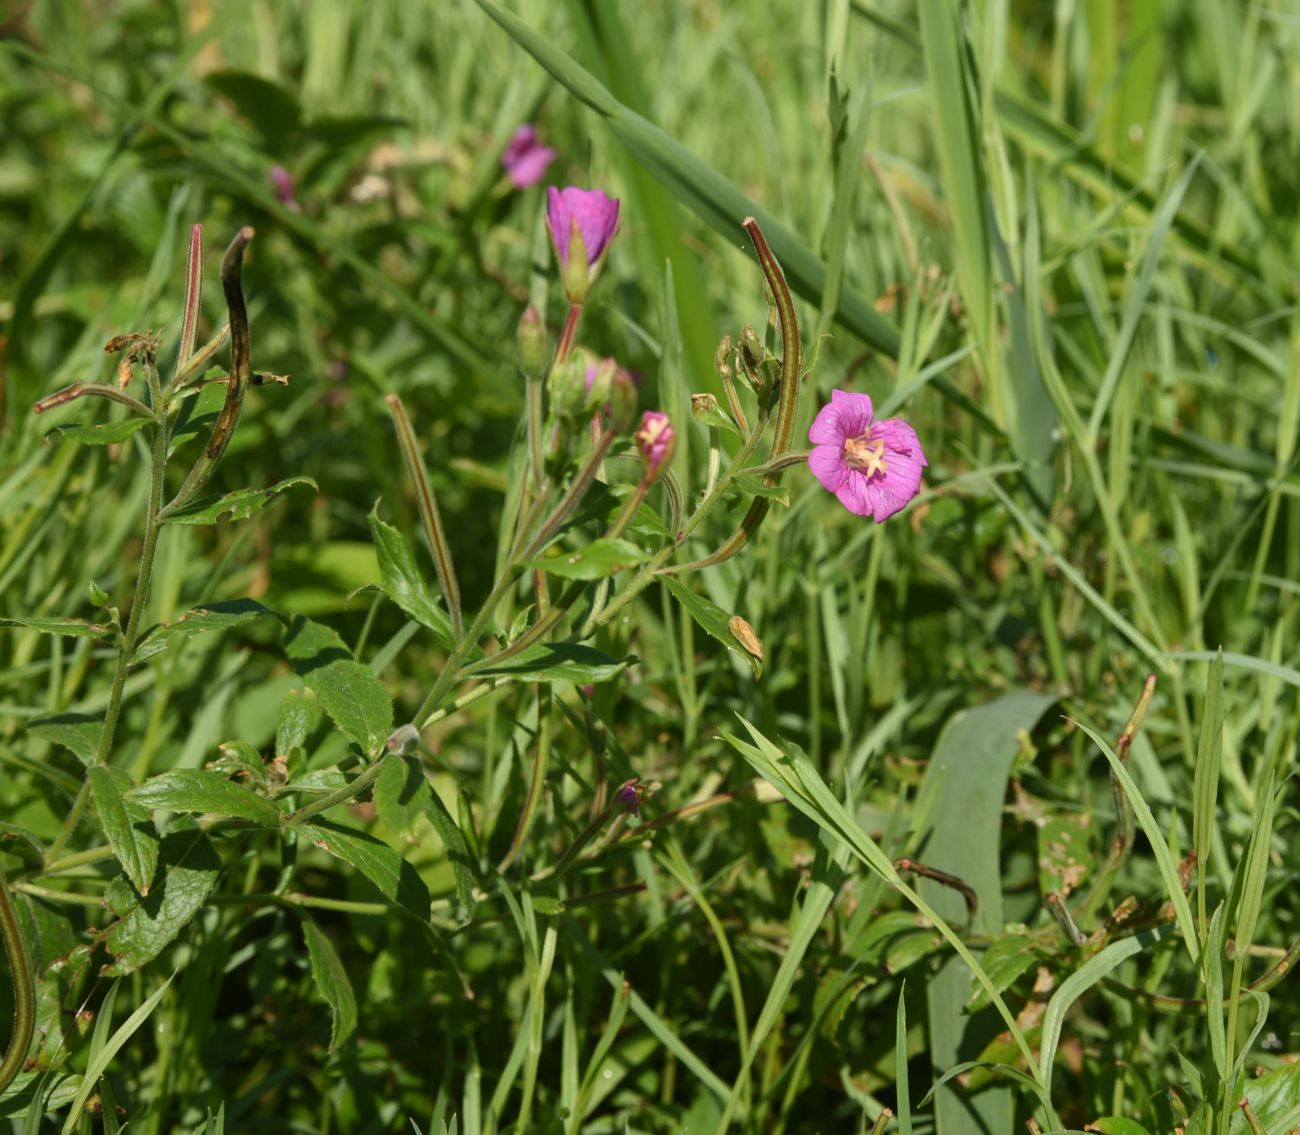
<point>24,983</point>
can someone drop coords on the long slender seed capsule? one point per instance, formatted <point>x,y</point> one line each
<point>193,297</point>
<point>430,517</point>
<point>241,372</point>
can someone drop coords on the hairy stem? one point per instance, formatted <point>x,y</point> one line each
<point>152,528</point>
<point>20,969</point>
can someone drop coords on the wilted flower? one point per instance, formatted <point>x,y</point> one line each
<point>582,223</point>
<point>525,159</point>
<point>874,468</point>
<point>629,796</point>
<point>655,440</point>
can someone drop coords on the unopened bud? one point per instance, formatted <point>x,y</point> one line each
<point>706,410</point>
<point>655,440</point>
<point>722,357</point>
<point>569,384</point>
<point>98,596</point>
<point>752,357</point>
<point>402,738</point>
<point>600,384</point>
<point>752,351</point>
<point>531,342</point>
<point>622,400</point>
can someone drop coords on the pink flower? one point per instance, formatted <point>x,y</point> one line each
<point>526,159</point>
<point>874,468</point>
<point>655,440</point>
<point>582,223</point>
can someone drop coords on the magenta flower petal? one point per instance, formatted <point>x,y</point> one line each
<point>595,214</point>
<point>873,468</point>
<point>827,465</point>
<point>525,159</point>
<point>847,414</point>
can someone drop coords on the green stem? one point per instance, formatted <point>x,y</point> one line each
<point>568,335</point>
<point>452,671</point>
<point>152,528</point>
<point>785,414</point>
<point>20,969</point>
<point>540,764</point>
<point>348,792</point>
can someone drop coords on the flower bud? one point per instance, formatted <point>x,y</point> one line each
<point>706,410</point>
<point>622,400</point>
<point>531,343</point>
<point>655,440</point>
<point>569,384</point>
<point>600,384</point>
<point>753,355</point>
<point>722,358</point>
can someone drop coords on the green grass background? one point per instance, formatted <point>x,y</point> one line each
<point>1059,238</point>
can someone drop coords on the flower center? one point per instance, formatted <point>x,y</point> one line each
<point>862,453</point>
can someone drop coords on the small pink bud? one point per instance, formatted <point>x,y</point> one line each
<point>655,440</point>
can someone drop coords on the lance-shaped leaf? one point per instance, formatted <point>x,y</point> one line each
<point>202,791</point>
<point>331,980</point>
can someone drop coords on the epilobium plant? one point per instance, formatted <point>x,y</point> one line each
<point>580,542</point>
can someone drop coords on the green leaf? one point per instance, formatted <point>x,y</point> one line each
<point>1117,1125</point>
<point>1078,983</point>
<point>1064,856</point>
<point>720,203</point>
<point>402,793</point>
<point>210,617</point>
<point>202,791</point>
<point>1004,961</point>
<point>78,628</point>
<point>108,433</point>
<point>1275,1099</point>
<point>79,733</point>
<point>967,780</point>
<point>299,712</point>
<point>190,867</point>
<point>714,620</point>
<point>103,1055</point>
<point>395,878</point>
<point>272,109</point>
<point>198,414</point>
<point>958,141</point>
<point>598,560</point>
<point>310,645</point>
<point>332,981</point>
<point>455,845</point>
<point>402,581</point>
<point>135,851</point>
<point>355,700</point>
<point>240,505</point>
<point>557,662</point>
